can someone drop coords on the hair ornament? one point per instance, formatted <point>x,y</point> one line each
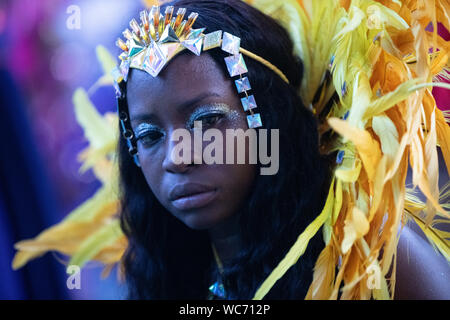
<point>154,42</point>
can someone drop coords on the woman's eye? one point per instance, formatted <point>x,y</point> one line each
<point>149,138</point>
<point>209,120</point>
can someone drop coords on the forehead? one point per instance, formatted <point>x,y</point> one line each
<point>184,78</point>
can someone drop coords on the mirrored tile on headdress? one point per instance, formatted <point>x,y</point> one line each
<point>195,33</point>
<point>117,75</point>
<point>170,49</point>
<point>124,69</point>
<point>168,35</point>
<point>135,47</point>
<point>137,60</point>
<point>242,85</point>
<point>154,60</point>
<point>123,56</point>
<point>236,65</point>
<point>194,45</point>
<point>230,43</point>
<point>249,103</point>
<point>135,26</point>
<point>154,15</point>
<point>254,121</point>
<point>212,40</point>
<point>117,91</point>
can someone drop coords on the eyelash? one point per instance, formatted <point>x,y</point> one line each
<point>143,137</point>
<point>150,137</point>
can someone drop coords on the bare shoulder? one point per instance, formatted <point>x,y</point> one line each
<point>422,273</point>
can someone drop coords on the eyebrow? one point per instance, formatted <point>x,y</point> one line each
<point>180,108</point>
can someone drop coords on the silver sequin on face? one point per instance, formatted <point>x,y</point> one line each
<point>145,127</point>
<point>215,108</point>
<point>234,118</point>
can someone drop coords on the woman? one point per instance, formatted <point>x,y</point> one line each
<point>253,219</point>
<point>249,219</point>
<point>198,230</point>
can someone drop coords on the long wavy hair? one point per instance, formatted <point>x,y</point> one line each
<point>167,260</point>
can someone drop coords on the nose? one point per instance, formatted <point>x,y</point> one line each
<point>180,155</point>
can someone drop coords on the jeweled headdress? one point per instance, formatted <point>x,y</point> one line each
<point>153,43</point>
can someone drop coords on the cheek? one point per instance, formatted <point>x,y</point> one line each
<point>236,183</point>
<point>237,178</point>
<point>151,168</point>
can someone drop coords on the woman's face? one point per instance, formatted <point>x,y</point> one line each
<point>191,88</point>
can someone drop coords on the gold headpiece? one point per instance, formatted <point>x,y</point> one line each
<point>381,73</point>
<point>159,38</point>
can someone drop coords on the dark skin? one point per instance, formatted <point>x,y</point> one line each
<point>152,101</point>
<point>421,272</point>
<point>160,102</point>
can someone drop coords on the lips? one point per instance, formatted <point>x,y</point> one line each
<point>191,195</point>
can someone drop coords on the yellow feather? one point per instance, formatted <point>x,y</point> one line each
<point>443,138</point>
<point>378,187</point>
<point>431,163</point>
<point>415,207</point>
<point>439,63</point>
<point>355,227</point>
<point>387,16</point>
<point>355,18</point>
<point>391,99</point>
<point>106,60</point>
<point>387,132</point>
<point>92,208</point>
<point>435,236</point>
<point>324,273</point>
<point>338,201</point>
<point>21,258</point>
<point>368,148</point>
<point>96,242</point>
<point>349,175</point>
<point>69,233</point>
<point>63,237</point>
<point>98,132</point>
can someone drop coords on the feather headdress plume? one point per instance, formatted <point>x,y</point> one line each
<point>370,85</point>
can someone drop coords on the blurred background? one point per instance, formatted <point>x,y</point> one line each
<point>44,56</point>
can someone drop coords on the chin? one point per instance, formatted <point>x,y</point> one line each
<point>200,220</point>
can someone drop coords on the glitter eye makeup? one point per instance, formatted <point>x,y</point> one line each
<point>148,134</point>
<point>210,114</point>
